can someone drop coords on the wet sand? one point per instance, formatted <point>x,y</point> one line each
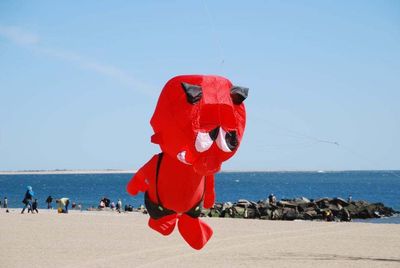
<point>108,239</point>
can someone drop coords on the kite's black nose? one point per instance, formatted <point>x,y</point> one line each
<point>214,133</point>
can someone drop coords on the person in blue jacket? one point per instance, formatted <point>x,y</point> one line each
<point>28,199</point>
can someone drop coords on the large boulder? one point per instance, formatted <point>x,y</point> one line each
<point>340,201</point>
<point>323,202</point>
<point>287,204</point>
<point>290,214</point>
<point>310,214</point>
<point>365,210</point>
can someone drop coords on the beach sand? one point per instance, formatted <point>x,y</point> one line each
<point>107,239</point>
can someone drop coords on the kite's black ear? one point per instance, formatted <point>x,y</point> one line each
<point>239,94</point>
<point>193,92</point>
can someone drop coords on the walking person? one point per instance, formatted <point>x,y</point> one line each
<point>35,206</point>
<point>49,200</point>
<point>28,199</point>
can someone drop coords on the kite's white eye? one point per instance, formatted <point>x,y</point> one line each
<point>203,142</point>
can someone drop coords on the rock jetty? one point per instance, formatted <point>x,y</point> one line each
<point>328,209</point>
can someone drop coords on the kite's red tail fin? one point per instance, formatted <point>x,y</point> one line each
<point>195,231</point>
<point>164,225</point>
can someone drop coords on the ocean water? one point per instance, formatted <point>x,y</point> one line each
<point>87,189</point>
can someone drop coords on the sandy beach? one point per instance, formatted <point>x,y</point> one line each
<point>107,239</point>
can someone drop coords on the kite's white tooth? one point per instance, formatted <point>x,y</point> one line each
<point>203,142</point>
<point>221,142</point>
<point>182,157</point>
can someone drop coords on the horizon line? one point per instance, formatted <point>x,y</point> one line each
<point>131,171</point>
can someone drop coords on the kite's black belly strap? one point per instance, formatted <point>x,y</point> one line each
<point>157,211</point>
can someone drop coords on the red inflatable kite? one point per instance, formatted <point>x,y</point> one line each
<point>198,122</point>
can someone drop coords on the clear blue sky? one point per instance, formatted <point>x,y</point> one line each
<point>79,80</point>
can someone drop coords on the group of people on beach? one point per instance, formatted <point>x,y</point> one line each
<point>31,203</point>
<point>106,203</point>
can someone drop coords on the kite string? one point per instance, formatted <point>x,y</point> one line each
<point>215,35</point>
<point>297,134</point>
<point>366,159</point>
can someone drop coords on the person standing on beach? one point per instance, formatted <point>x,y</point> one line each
<point>48,201</point>
<point>349,199</point>
<point>28,199</point>
<point>5,204</point>
<point>119,205</point>
<point>272,199</point>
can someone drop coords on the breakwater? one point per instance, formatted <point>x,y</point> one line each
<point>328,209</point>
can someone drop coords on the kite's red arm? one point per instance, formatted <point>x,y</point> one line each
<point>209,194</point>
<point>139,182</point>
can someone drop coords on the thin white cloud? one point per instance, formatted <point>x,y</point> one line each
<point>21,37</point>
<point>103,69</point>
<point>18,36</point>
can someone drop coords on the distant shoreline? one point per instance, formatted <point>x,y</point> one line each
<point>55,172</point>
<point>124,171</point>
